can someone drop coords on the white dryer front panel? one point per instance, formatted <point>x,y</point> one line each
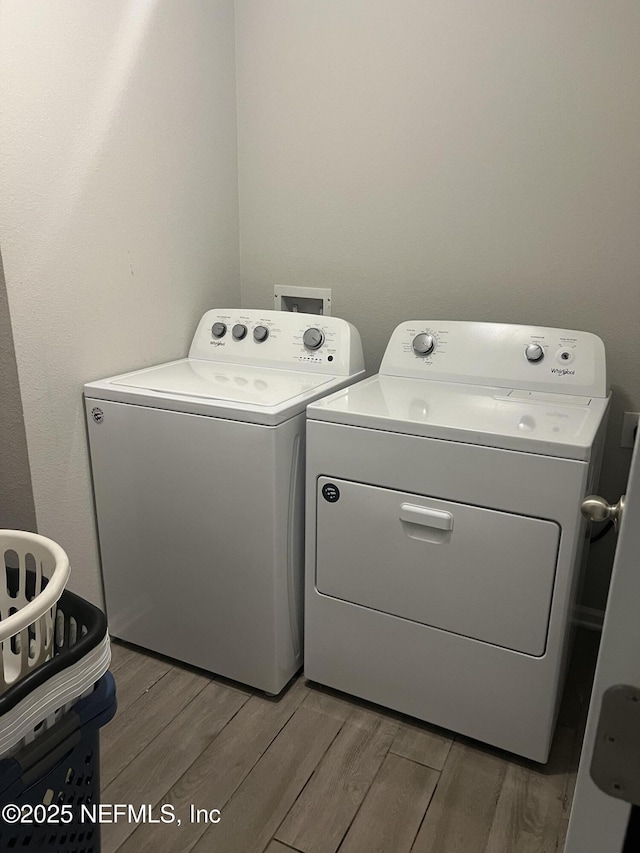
<point>481,573</point>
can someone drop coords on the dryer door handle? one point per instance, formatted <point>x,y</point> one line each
<point>413,514</point>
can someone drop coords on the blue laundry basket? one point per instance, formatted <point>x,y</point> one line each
<point>59,768</point>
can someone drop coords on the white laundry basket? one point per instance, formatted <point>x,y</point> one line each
<point>35,571</point>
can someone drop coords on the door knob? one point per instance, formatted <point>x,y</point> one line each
<point>598,509</point>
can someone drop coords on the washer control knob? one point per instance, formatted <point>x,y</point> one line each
<point>534,352</point>
<point>239,331</point>
<point>219,330</point>
<point>313,338</point>
<point>260,334</point>
<point>423,344</point>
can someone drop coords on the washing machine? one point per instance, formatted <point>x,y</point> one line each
<point>444,532</point>
<point>198,475</point>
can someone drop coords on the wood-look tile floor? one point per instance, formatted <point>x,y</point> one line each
<point>316,771</point>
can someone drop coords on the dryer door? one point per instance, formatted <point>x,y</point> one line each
<point>478,572</point>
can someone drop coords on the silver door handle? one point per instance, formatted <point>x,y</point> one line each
<point>598,509</point>
<point>426,517</point>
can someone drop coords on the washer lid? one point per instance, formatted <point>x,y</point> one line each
<point>260,386</point>
<point>239,392</point>
<point>549,424</point>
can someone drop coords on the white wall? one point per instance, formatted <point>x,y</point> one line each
<point>16,496</point>
<point>118,213</point>
<point>449,159</point>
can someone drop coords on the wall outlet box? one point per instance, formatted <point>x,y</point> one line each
<point>629,429</point>
<point>306,300</point>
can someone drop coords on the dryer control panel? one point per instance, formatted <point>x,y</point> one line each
<point>533,358</point>
<point>310,342</point>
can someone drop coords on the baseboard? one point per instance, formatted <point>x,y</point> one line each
<point>588,617</point>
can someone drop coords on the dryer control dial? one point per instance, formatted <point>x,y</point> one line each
<point>260,334</point>
<point>423,344</point>
<point>534,352</point>
<point>239,331</point>
<point>219,330</point>
<point>313,338</point>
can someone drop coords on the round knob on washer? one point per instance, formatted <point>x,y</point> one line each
<point>260,334</point>
<point>423,344</point>
<point>313,338</point>
<point>239,331</point>
<point>534,352</point>
<point>219,330</point>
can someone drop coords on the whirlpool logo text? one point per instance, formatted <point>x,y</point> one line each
<point>562,371</point>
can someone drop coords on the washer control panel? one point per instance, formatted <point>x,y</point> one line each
<point>498,354</point>
<point>309,342</point>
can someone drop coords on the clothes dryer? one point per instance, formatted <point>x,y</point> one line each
<point>198,472</point>
<point>444,532</point>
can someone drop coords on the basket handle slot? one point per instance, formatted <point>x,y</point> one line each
<point>40,756</point>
